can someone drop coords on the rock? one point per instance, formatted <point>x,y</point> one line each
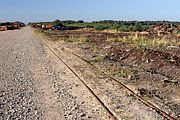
<point>82,115</point>
<point>129,77</point>
<point>147,61</point>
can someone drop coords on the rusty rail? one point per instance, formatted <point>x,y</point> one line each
<point>82,81</point>
<point>147,103</point>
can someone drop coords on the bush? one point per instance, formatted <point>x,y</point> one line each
<point>138,27</point>
<point>101,27</point>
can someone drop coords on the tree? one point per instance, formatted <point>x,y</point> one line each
<point>138,27</point>
<point>116,26</point>
<point>80,21</point>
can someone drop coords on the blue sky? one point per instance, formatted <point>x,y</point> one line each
<point>89,10</point>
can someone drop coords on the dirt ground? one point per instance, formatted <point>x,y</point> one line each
<point>151,72</point>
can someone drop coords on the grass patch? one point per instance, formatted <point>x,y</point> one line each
<point>146,42</point>
<point>123,72</point>
<point>127,73</point>
<point>97,58</point>
<point>39,33</point>
<point>78,40</point>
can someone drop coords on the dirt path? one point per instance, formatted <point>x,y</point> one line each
<point>35,84</point>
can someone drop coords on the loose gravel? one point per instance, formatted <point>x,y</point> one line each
<point>35,85</point>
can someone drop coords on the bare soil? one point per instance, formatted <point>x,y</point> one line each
<point>151,72</point>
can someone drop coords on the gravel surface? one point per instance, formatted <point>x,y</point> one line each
<point>34,84</point>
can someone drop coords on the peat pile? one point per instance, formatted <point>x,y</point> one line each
<point>166,63</point>
<point>163,29</point>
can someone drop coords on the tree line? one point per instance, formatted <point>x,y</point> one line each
<point>124,26</point>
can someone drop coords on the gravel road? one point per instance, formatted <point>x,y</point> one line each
<point>35,85</point>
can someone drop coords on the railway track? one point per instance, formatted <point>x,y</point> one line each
<point>148,104</point>
<point>89,89</point>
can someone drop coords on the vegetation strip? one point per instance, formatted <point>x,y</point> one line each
<point>91,91</point>
<point>163,113</point>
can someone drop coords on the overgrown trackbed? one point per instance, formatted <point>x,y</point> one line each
<point>115,58</point>
<point>40,79</point>
<point>94,79</point>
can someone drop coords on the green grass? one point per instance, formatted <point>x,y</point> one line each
<point>146,42</point>
<point>111,26</point>
<point>125,73</point>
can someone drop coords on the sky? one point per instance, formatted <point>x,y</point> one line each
<point>89,10</point>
